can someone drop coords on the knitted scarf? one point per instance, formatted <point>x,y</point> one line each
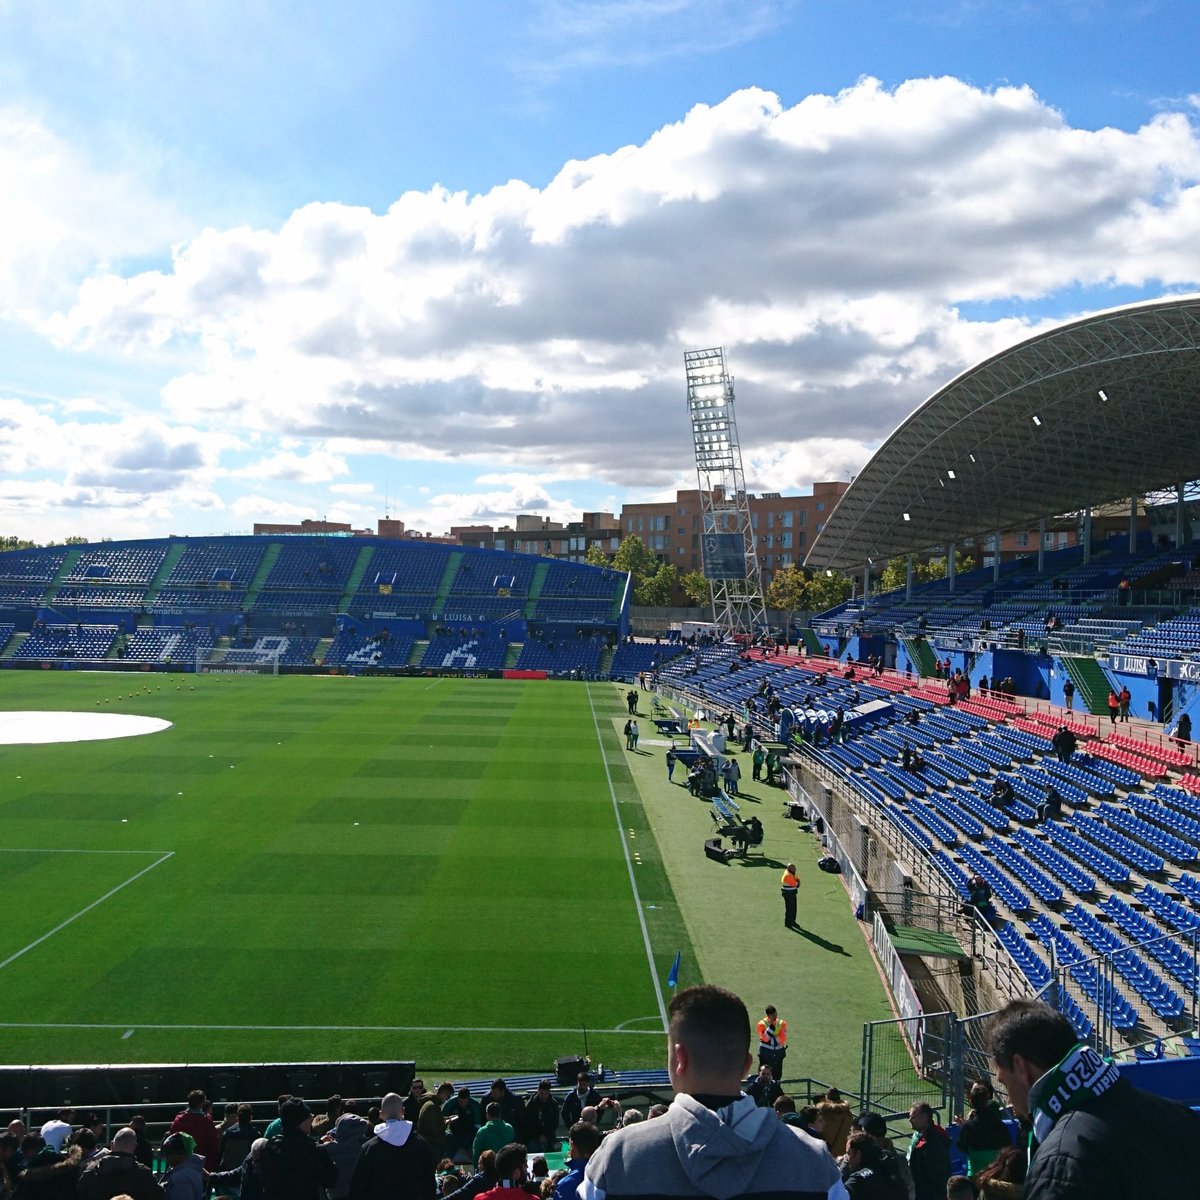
<point>1082,1076</point>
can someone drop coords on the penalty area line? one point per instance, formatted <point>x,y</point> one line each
<point>63,850</point>
<point>331,1028</point>
<point>87,909</point>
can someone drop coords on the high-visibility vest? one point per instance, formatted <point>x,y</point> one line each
<point>789,882</point>
<point>773,1038</point>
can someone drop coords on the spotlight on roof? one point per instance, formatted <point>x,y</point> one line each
<point>1036,419</point>
<point>951,475</point>
<point>971,457</point>
<point>1103,395</point>
<point>907,517</point>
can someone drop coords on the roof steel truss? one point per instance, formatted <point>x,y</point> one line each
<point>1090,413</point>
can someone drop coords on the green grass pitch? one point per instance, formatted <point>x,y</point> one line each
<point>469,873</point>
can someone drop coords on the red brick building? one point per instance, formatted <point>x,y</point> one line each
<point>784,527</point>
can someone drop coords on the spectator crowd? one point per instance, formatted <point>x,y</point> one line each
<point>1075,1129</point>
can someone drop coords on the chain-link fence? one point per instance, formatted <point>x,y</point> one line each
<point>906,1061</point>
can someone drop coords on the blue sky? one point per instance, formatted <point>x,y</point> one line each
<point>264,261</point>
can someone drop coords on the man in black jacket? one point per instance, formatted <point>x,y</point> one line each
<point>928,1154</point>
<point>540,1132</point>
<point>116,1172</point>
<point>293,1166</point>
<point>1094,1133</point>
<point>1065,744</point>
<point>765,1088</point>
<point>397,1163</point>
<point>582,1097</point>
<point>511,1109</point>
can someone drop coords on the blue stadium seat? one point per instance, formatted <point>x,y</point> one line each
<point>1002,886</point>
<point>1177,960</point>
<point>1044,888</point>
<point>1120,1012</point>
<point>1119,845</point>
<point>1057,864</point>
<point>1104,865</point>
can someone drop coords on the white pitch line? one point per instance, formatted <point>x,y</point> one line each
<point>83,911</point>
<point>637,897</point>
<point>633,1021</point>
<point>336,1028</point>
<point>61,850</point>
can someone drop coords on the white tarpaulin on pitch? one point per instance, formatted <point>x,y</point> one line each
<point>39,728</point>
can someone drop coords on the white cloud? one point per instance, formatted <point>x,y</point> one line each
<point>255,506</point>
<point>129,476</point>
<point>841,250</point>
<point>519,494</point>
<point>62,215</point>
<point>270,510</point>
<point>318,466</point>
<point>47,510</point>
<point>579,35</point>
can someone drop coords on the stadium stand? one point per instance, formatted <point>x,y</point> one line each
<point>169,644</point>
<point>68,641</point>
<point>559,653</point>
<point>380,603</point>
<point>1117,836</point>
<point>464,650</point>
<point>117,566</point>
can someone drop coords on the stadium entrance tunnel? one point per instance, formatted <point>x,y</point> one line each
<point>44,728</point>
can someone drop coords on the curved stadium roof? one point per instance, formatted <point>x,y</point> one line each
<point>1094,411</point>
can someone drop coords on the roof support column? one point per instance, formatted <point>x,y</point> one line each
<point>1132,524</point>
<point>1087,534</point>
<point>908,576</point>
<point>1041,544</point>
<point>951,555</point>
<point>866,584</point>
<point>996,558</point>
<point>1179,494</point>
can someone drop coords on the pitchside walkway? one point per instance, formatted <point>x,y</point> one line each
<point>822,977</point>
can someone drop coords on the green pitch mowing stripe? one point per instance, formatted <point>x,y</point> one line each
<point>362,869</point>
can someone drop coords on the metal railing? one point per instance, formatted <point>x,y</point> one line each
<point>908,1060</point>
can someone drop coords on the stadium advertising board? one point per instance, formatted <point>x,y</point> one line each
<point>724,556</point>
<point>1137,664</point>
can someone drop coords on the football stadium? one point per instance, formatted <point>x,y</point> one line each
<point>313,814</point>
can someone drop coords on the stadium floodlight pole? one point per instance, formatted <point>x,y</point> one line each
<point>727,549</point>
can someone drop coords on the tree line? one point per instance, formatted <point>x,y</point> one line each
<point>792,590</point>
<point>17,543</point>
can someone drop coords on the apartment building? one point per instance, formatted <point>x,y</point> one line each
<point>539,535</point>
<point>784,527</point>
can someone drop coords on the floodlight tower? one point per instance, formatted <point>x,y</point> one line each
<point>726,538</point>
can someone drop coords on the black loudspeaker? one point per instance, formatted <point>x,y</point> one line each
<point>224,1086</point>
<point>48,1089</point>
<point>713,850</point>
<point>374,1079</point>
<point>566,1070</point>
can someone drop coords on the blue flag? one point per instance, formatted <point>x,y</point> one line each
<point>673,977</point>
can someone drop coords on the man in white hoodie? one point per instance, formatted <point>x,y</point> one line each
<point>713,1140</point>
<point>397,1163</point>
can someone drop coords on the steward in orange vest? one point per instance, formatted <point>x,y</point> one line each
<point>772,1041</point>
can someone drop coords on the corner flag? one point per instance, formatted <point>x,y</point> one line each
<point>673,977</point>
